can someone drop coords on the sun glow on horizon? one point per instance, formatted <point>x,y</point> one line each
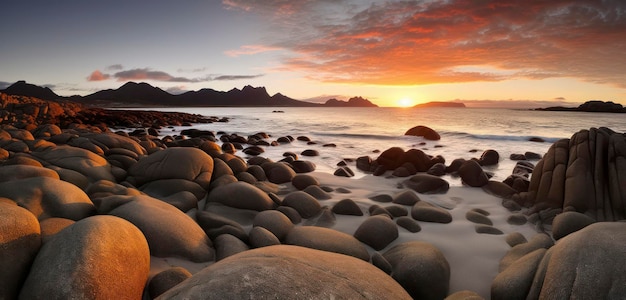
<point>405,102</point>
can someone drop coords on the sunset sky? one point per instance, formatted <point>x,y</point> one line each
<point>392,52</point>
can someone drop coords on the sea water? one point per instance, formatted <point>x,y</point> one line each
<point>465,132</point>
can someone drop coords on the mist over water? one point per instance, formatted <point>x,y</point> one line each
<point>360,131</point>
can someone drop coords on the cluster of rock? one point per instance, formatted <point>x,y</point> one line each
<point>85,209</point>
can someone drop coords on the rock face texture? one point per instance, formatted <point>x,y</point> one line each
<point>288,272</point>
<point>586,173</point>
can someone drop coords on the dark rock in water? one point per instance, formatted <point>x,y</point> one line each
<point>65,267</point>
<point>390,158</point>
<point>406,198</point>
<point>289,272</point>
<point>585,172</point>
<point>487,229</point>
<point>383,198</point>
<point>455,165</point>
<point>568,222</point>
<point>166,280</point>
<point>516,280</point>
<point>489,158</point>
<point>472,174</point>
<point>326,239</point>
<point>377,232</point>
<point>317,192</point>
<point>401,172</point>
<point>306,205</point>
<point>347,207</point>
<point>303,139</point>
<point>302,181</point>
<point>536,140</point>
<point>420,268</point>
<point>420,161</point>
<point>426,212</point>
<point>396,210</point>
<point>438,169</point>
<point>303,166</point>
<point>427,184</point>
<point>517,219</point>
<point>478,218</point>
<point>253,150</point>
<point>408,224</point>
<point>344,172</point>
<point>278,172</point>
<point>576,269</point>
<point>310,152</point>
<point>499,189</point>
<point>517,156</point>
<point>291,213</point>
<point>532,155</point>
<point>363,163</point>
<point>515,238</point>
<point>425,132</point>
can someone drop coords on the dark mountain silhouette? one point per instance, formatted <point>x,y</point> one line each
<point>352,102</point>
<point>591,106</point>
<point>21,88</point>
<point>143,94</point>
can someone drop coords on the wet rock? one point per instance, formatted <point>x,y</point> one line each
<point>347,207</point>
<point>302,181</point>
<point>425,132</point>
<point>377,232</point>
<point>427,184</point>
<point>326,239</point>
<point>568,222</point>
<point>289,272</point>
<point>472,174</point>
<point>426,212</point>
<point>409,224</point>
<point>306,205</point>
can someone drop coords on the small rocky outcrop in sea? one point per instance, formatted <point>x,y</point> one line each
<point>425,132</point>
<point>585,173</point>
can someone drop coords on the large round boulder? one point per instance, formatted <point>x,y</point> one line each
<point>587,264</point>
<point>47,197</point>
<point>472,174</point>
<point>306,205</point>
<point>326,239</point>
<point>169,231</point>
<point>101,257</point>
<point>377,232</point>
<point>93,166</point>
<point>420,268</point>
<point>241,195</point>
<point>288,272</point>
<point>427,184</point>
<point>20,240</point>
<point>425,132</point>
<point>13,172</point>
<point>173,163</point>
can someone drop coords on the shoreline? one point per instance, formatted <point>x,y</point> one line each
<point>178,209</point>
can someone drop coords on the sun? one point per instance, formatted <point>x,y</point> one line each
<point>405,102</point>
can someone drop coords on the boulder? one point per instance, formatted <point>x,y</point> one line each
<point>227,245</point>
<point>306,205</point>
<point>100,257</point>
<point>377,232</point>
<point>326,239</point>
<point>167,187</point>
<point>274,221</point>
<point>261,237</point>
<point>425,132</point>
<point>317,192</point>
<point>406,198</point>
<point>13,172</point>
<point>279,172</point>
<point>47,197</point>
<point>173,163</point>
<point>169,231</point>
<point>426,212</point>
<point>587,264</point>
<point>409,224</point>
<point>347,207</point>
<point>91,165</point>
<point>427,184</point>
<point>20,240</point>
<point>165,280</point>
<point>515,282</point>
<point>241,195</point>
<point>472,174</point>
<point>288,272</point>
<point>302,181</point>
<point>420,268</point>
<point>489,158</point>
<point>568,222</point>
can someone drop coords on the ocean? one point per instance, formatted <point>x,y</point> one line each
<point>360,131</point>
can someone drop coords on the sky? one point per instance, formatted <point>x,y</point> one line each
<point>507,53</point>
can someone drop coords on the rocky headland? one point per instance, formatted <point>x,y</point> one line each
<point>591,106</point>
<point>98,204</point>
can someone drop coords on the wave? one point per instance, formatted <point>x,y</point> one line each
<point>500,137</point>
<point>359,135</point>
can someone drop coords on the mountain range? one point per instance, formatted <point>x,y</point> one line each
<point>145,95</point>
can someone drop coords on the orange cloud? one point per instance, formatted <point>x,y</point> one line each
<point>98,76</point>
<point>422,42</point>
<point>250,50</point>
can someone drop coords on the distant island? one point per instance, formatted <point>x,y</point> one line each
<point>142,94</point>
<point>590,106</point>
<point>440,104</point>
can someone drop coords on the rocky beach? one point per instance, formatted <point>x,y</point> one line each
<point>99,204</point>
